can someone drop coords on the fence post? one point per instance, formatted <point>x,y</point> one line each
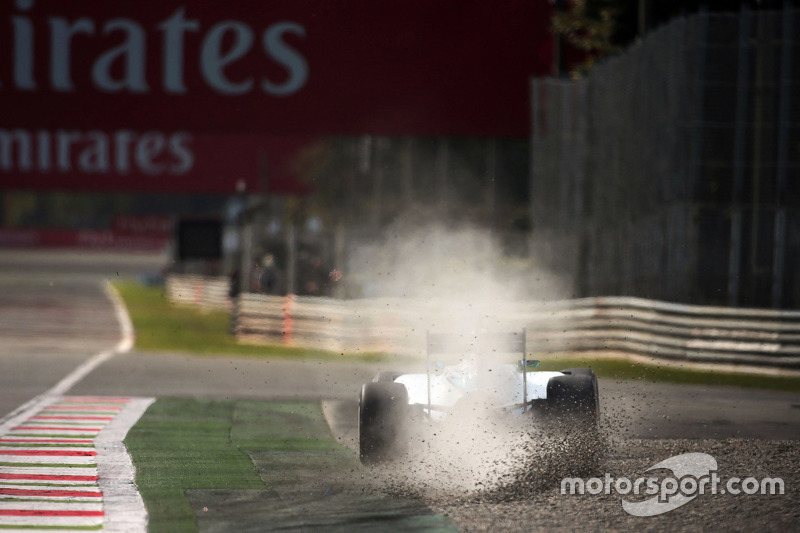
<point>784,111</point>
<point>739,156</point>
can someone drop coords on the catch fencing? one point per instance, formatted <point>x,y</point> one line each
<point>670,170</point>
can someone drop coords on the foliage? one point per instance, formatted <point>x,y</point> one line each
<point>589,27</point>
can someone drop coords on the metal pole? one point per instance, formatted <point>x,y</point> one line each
<point>340,257</point>
<point>491,177</point>
<point>564,178</point>
<point>696,152</point>
<point>245,271</point>
<point>406,170</point>
<point>762,59</point>
<point>428,366</point>
<point>524,370</point>
<point>377,181</point>
<point>291,262</point>
<point>534,182</point>
<point>739,155</point>
<point>443,162</point>
<point>782,156</point>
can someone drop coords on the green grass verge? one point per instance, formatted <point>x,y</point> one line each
<point>624,369</point>
<point>162,326</point>
<point>182,444</point>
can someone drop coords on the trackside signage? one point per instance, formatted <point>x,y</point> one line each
<point>148,160</point>
<point>140,81</point>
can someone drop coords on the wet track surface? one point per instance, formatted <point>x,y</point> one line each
<point>54,315</point>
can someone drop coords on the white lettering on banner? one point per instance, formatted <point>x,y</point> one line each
<point>123,67</point>
<point>214,60</point>
<point>131,51</point>
<point>174,28</point>
<point>23,46</point>
<point>95,152</point>
<point>286,55</point>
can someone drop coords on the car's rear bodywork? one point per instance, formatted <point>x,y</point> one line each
<point>483,378</point>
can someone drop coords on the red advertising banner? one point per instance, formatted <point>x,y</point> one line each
<point>151,225</point>
<point>85,239</point>
<point>180,77</point>
<point>156,161</point>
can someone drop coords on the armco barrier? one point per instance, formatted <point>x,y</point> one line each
<point>668,331</point>
<point>644,327</point>
<point>339,325</point>
<point>206,292</point>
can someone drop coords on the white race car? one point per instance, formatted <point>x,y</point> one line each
<point>481,380</point>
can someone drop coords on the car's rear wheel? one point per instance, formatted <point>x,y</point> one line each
<point>575,395</point>
<point>574,404</point>
<point>382,412</point>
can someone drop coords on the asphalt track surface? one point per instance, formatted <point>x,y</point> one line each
<point>54,315</point>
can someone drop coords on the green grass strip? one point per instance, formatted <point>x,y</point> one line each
<point>625,369</point>
<point>184,444</point>
<point>181,445</point>
<point>165,327</point>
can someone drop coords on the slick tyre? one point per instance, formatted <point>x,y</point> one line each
<point>382,411</point>
<point>575,395</point>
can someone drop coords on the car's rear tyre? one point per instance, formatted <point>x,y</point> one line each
<point>574,404</point>
<point>575,395</point>
<point>382,412</point>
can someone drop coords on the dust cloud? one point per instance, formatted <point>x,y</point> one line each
<point>458,262</point>
<point>458,278</point>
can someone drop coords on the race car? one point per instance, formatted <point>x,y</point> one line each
<point>483,379</point>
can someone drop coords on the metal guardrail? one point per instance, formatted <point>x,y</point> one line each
<point>668,331</point>
<point>207,292</point>
<point>633,325</point>
<point>326,323</point>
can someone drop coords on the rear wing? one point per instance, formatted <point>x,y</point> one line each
<point>447,343</point>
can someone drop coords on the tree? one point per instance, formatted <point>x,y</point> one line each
<point>593,29</point>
